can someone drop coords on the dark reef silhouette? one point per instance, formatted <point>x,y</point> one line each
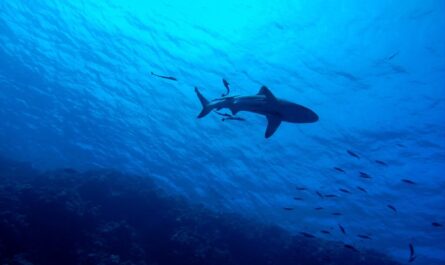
<point>106,217</point>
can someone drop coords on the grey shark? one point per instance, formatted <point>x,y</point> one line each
<point>264,103</point>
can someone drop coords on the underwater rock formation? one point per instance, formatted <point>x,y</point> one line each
<point>105,217</point>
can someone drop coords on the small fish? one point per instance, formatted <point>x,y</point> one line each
<point>401,145</point>
<point>227,86</point>
<point>381,162</point>
<point>411,249</point>
<point>344,190</point>
<point>305,234</point>
<point>392,207</point>
<point>229,116</point>
<point>319,194</point>
<point>339,169</point>
<point>325,232</point>
<point>336,214</point>
<point>361,189</point>
<point>298,198</point>
<point>301,188</point>
<point>233,118</point>
<point>365,237</point>
<point>364,175</point>
<point>412,254</point>
<point>408,181</point>
<point>288,208</point>
<point>346,75</point>
<point>331,196</point>
<point>350,247</point>
<point>398,69</point>
<point>392,56</point>
<point>436,224</point>
<point>70,170</point>
<point>223,114</point>
<point>353,154</point>
<point>318,208</point>
<point>342,229</point>
<point>165,77</point>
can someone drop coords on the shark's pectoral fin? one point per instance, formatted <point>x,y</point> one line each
<point>266,92</point>
<point>273,122</point>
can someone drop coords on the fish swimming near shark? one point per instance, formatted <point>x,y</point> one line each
<point>361,189</point>
<point>164,76</point>
<point>351,247</point>
<point>364,236</point>
<point>436,224</point>
<point>264,103</point>
<point>339,169</point>
<point>412,254</point>
<point>308,235</point>
<point>227,86</point>
<point>342,229</point>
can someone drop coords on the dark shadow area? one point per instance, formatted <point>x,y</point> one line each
<point>106,217</point>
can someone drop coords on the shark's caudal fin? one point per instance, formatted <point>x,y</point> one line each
<point>273,122</point>
<point>205,104</point>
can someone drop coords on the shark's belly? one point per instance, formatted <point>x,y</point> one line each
<point>284,110</point>
<point>254,104</point>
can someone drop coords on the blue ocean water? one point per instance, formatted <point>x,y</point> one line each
<point>76,92</point>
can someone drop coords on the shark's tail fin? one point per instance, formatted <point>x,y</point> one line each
<point>205,104</point>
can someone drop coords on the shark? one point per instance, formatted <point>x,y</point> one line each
<point>264,103</point>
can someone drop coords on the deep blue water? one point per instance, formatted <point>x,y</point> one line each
<point>76,92</point>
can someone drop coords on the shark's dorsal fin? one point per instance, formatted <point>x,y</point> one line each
<point>266,92</point>
<point>273,122</point>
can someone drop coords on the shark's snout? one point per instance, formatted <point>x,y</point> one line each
<point>312,116</point>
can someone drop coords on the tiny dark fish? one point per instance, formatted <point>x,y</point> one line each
<point>411,249</point>
<point>400,145</point>
<point>331,196</point>
<point>301,188</point>
<point>325,232</point>
<point>412,254</point>
<point>344,190</point>
<point>233,118</point>
<point>227,86</point>
<point>350,247</point>
<point>339,169</point>
<point>392,56</point>
<point>305,234</point>
<point>380,162</point>
<point>288,208</point>
<point>342,229</point>
<point>319,194</point>
<point>392,207</point>
<point>398,69</point>
<point>364,175</point>
<point>346,75</point>
<point>223,114</point>
<point>229,116</point>
<point>337,214</point>
<point>70,171</point>
<point>353,154</point>
<point>364,237</point>
<point>436,224</point>
<point>408,181</point>
<point>298,198</point>
<point>362,189</point>
<point>318,208</point>
<point>165,77</point>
